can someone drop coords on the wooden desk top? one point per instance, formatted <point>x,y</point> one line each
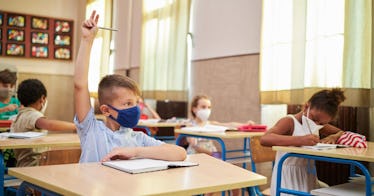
<point>95,179</point>
<point>359,154</point>
<point>50,140</point>
<point>223,135</point>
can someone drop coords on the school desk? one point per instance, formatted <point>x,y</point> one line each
<point>350,156</point>
<point>49,140</point>
<point>210,175</point>
<point>219,136</point>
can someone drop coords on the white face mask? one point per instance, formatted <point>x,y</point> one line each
<point>44,106</point>
<point>309,125</point>
<point>203,114</point>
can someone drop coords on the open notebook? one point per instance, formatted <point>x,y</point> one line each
<point>322,146</point>
<point>22,135</point>
<point>135,166</point>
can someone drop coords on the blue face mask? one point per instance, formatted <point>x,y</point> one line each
<point>127,117</point>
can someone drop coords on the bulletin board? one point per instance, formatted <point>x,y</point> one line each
<point>39,37</point>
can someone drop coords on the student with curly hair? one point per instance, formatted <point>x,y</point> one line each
<point>33,96</point>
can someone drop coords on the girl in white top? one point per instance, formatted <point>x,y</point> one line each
<point>304,129</point>
<point>200,110</point>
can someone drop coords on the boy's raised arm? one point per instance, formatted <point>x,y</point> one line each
<point>81,94</point>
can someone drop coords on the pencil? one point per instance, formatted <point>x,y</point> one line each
<point>107,28</point>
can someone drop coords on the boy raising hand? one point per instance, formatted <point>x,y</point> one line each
<point>118,97</point>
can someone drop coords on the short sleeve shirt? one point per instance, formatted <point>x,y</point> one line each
<point>25,121</point>
<point>97,140</point>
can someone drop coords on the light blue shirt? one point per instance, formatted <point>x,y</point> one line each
<point>97,140</point>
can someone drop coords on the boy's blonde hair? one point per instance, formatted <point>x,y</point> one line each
<point>106,85</point>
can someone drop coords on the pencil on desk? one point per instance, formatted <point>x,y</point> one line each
<point>107,28</point>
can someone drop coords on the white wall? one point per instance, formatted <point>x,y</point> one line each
<point>226,28</point>
<point>69,9</point>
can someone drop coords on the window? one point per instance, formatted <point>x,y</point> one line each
<point>302,44</point>
<point>99,59</point>
<point>164,49</point>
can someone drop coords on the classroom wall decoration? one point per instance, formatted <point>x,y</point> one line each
<point>30,36</point>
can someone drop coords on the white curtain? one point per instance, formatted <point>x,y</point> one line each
<point>311,44</point>
<point>99,58</point>
<point>302,44</point>
<point>164,49</point>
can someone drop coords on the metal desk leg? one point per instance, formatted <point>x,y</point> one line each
<point>219,140</point>
<point>22,190</point>
<point>252,190</point>
<point>320,158</point>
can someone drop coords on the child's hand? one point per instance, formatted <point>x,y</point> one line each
<point>89,26</point>
<point>331,139</point>
<point>309,140</point>
<point>11,107</point>
<point>328,140</point>
<point>251,122</point>
<point>120,153</point>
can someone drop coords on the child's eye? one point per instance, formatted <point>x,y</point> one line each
<point>130,104</point>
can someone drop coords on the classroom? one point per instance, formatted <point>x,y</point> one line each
<point>229,79</point>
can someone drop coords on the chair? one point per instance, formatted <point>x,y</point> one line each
<point>259,154</point>
<point>60,156</point>
<point>143,129</point>
<point>51,157</point>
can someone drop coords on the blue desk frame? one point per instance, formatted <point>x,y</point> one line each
<point>253,190</point>
<point>352,163</point>
<point>223,146</point>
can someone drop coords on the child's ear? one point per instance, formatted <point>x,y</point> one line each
<point>104,110</point>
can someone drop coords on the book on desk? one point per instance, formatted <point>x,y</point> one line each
<point>218,128</point>
<point>135,166</point>
<point>23,135</point>
<point>322,146</point>
<point>206,128</point>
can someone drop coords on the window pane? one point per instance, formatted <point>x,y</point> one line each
<point>151,5</point>
<point>94,69</point>
<point>323,62</point>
